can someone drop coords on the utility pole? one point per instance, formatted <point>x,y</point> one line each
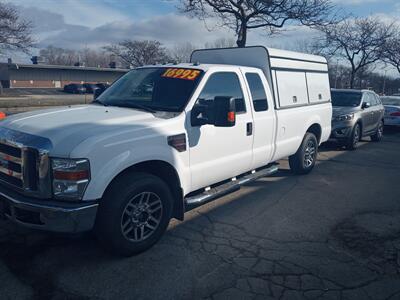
<point>384,83</point>
<point>337,73</point>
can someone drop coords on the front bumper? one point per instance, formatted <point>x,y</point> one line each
<point>47,215</point>
<point>341,130</point>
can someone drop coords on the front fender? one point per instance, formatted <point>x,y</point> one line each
<point>104,172</point>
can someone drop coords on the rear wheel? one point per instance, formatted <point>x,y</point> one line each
<point>303,161</point>
<point>134,213</point>
<point>377,137</point>
<point>354,138</point>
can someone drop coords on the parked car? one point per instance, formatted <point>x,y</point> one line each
<point>101,87</point>
<point>356,114</point>
<point>90,88</point>
<point>135,158</point>
<point>392,110</point>
<point>75,88</point>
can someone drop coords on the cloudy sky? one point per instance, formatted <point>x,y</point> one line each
<point>94,23</point>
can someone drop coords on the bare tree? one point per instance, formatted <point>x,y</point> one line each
<point>139,53</point>
<point>221,43</point>
<point>391,53</point>
<point>94,58</point>
<point>244,15</point>
<point>182,52</point>
<point>68,57</point>
<point>358,41</point>
<point>309,46</point>
<point>59,56</point>
<point>15,33</point>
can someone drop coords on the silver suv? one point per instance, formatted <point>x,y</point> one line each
<point>356,114</point>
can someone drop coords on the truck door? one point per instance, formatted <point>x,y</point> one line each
<point>219,153</point>
<point>264,121</point>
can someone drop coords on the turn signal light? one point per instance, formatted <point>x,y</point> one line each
<point>231,116</point>
<point>178,142</point>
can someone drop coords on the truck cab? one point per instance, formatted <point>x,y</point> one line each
<point>161,138</point>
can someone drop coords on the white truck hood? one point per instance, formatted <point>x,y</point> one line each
<point>67,127</point>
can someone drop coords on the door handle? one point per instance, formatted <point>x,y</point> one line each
<point>249,128</point>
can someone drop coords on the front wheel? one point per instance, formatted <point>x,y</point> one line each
<point>303,161</point>
<point>355,137</point>
<point>133,214</point>
<point>377,137</point>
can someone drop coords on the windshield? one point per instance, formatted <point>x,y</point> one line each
<point>391,100</point>
<point>352,99</point>
<point>165,89</point>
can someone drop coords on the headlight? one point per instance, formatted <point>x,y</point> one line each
<point>70,178</point>
<point>347,117</point>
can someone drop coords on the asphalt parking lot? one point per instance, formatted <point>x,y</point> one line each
<point>333,234</point>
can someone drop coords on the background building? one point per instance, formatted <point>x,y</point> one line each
<point>14,75</point>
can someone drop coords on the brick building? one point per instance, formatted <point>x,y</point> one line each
<point>14,75</point>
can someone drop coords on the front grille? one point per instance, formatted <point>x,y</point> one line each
<point>24,163</point>
<point>11,165</point>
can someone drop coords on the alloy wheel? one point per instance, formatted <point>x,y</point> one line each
<point>309,154</point>
<point>141,216</point>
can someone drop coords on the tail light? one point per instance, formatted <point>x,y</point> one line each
<point>395,114</point>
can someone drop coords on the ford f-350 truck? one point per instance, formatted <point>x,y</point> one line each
<point>161,138</point>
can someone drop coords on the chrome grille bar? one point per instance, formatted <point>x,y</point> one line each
<point>11,164</point>
<point>11,158</point>
<point>24,162</point>
<point>11,173</point>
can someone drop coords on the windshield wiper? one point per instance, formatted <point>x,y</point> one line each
<point>98,102</point>
<point>137,106</point>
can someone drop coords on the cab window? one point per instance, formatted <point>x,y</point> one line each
<point>224,84</point>
<point>257,91</point>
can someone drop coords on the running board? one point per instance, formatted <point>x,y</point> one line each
<point>230,187</point>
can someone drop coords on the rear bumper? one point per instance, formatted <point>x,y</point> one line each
<point>47,215</point>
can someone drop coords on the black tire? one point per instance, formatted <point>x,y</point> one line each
<point>355,137</point>
<point>303,161</point>
<point>123,203</point>
<point>377,137</point>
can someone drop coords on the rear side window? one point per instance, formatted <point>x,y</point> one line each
<point>257,91</point>
<point>224,84</point>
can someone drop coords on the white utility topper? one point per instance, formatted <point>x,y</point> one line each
<point>161,138</point>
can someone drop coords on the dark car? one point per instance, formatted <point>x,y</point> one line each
<point>356,114</point>
<point>90,87</point>
<point>75,88</point>
<point>101,87</point>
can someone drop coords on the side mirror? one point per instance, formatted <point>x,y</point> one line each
<point>97,93</point>
<point>366,105</point>
<point>224,111</point>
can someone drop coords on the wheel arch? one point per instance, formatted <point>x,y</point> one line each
<point>360,122</point>
<point>316,129</point>
<point>166,172</point>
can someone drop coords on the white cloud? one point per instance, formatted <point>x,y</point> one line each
<point>77,12</point>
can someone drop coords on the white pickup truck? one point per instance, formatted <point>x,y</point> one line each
<point>163,137</point>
